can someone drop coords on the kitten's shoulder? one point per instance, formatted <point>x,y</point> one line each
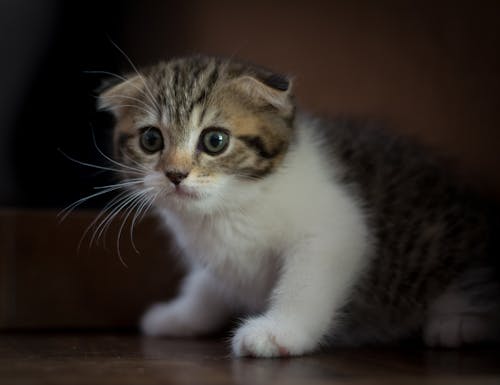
<point>349,137</point>
<point>368,148</point>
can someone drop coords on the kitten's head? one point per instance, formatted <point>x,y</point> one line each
<point>201,132</point>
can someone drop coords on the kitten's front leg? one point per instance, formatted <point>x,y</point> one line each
<point>199,309</point>
<point>315,282</point>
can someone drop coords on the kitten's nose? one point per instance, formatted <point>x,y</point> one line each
<point>176,177</point>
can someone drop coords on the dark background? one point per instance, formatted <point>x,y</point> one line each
<point>428,69</point>
<point>50,99</point>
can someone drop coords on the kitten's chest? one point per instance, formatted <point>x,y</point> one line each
<point>234,248</point>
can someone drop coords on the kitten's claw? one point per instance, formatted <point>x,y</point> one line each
<point>263,337</point>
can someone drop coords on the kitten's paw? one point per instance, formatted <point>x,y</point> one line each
<point>455,330</point>
<point>265,337</point>
<point>166,320</point>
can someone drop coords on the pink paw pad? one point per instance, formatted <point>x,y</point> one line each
<point>283,352</point>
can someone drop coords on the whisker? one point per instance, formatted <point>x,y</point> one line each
<point>119,77</point>
<point>139,214</point>
<point>122,184</point>
<point>110,214</point>
<point>90,164</point>
<point>67,210</point>
<point>113,161</point>
<point>144,104</point>
<point>101,230</point>
<point>151,203</point>
<point>104,210</point>
<point>107,73</point>
<point>136,162</point>
<point>247,176</point>
<point>116,106</point>
<point>133,205</point>
<point>107,212</point>
<point>138,74</point>
<point>143,203</point>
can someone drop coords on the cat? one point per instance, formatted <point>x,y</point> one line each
<point>313,232</point>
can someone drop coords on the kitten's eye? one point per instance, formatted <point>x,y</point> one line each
<point>151,140</point>
<point>214,141</point>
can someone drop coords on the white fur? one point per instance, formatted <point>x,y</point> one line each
<point>285,250</point>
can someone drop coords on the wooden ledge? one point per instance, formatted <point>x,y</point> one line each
<point>47,282</point>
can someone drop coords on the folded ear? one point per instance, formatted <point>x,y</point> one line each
<point>115,96</point>
<point>267,87</point>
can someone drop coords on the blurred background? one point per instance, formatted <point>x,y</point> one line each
<point>427,68</point>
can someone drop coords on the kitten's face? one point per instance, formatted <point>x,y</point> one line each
<point>200,132</point>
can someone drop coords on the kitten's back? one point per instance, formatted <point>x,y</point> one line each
<point>428,228</point>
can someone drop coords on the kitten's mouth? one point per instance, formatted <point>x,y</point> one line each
<point>184,193</point>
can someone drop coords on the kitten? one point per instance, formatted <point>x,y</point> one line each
<point>313,231</point>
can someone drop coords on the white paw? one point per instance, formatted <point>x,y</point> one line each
<point>454,330</point>
<point>265,337</point>
<point>166,319</point>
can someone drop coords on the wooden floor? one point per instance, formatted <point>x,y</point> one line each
<point>89,358</point>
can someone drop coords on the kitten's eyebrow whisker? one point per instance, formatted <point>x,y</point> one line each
<point>116,106</point>
<point>125,80</point>
<point>144,104</point>
<point>138,74</point>
<point>122,78</point>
